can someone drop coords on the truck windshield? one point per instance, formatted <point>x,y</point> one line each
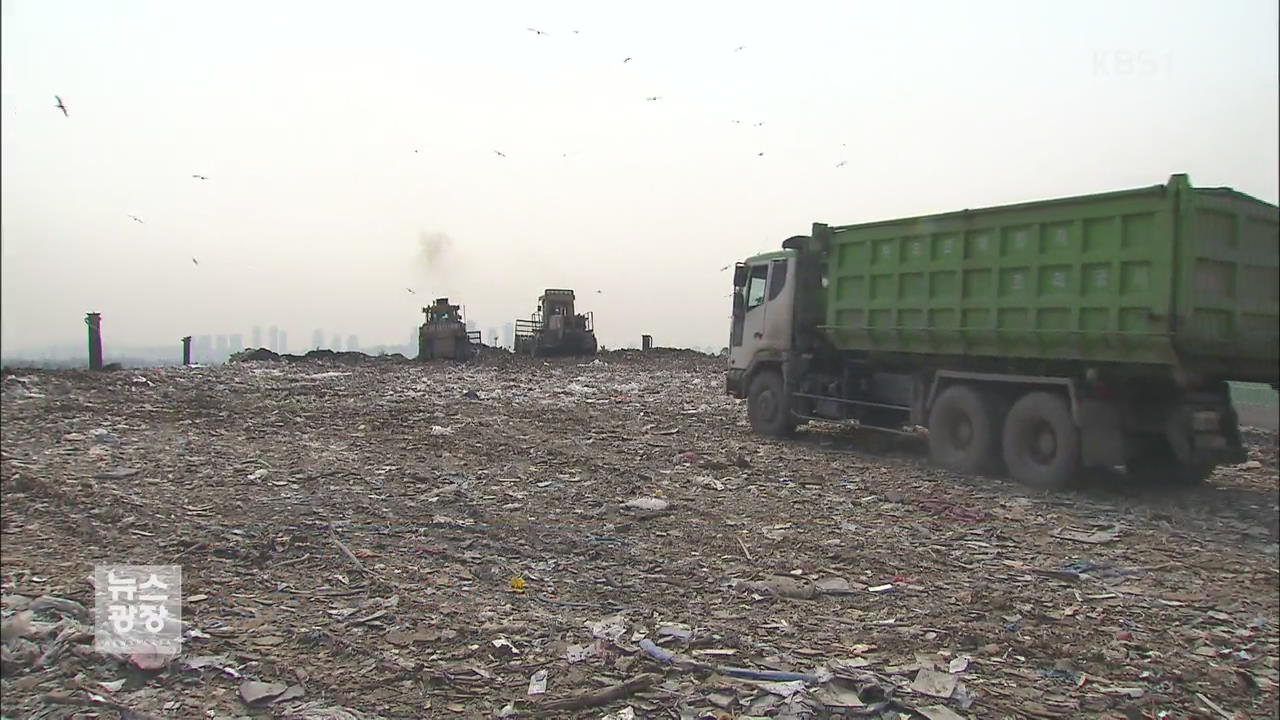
<point>756,285</point>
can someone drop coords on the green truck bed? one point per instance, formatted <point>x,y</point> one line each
<point>1170,275</point>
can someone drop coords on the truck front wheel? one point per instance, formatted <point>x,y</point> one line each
<point>962,430</point>
<point>767,408</point>
<point>1041,441</point>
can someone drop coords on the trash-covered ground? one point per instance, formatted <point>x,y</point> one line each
<point>599,539</point>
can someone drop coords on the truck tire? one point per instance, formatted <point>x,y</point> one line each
<point>1042,442</point>
<point>962,431</point>
<point>767,408</point>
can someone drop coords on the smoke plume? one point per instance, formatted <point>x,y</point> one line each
<point>434,252</point>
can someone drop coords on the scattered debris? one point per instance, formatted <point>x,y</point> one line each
<point>934,683</point>
<point>605,696</point>
<point>650,504</point>
<point>253,692</point>
<point>1092,535</point>
<point>538,683</point>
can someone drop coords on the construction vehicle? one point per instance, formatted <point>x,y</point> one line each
<point>555,329</point>
<point>1037,339</point>
<point>444,335</point>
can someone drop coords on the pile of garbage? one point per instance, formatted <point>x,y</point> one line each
<point>592,538</point>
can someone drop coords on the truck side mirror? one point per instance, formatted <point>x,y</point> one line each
<point>739,275</point>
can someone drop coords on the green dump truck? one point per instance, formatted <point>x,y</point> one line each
<point>1033,339</point>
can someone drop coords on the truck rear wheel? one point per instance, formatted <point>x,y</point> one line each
<point>1041,441</point>
<point>767,408</point>
<point>962,430</point>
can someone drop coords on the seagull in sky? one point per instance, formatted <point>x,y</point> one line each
<point>195,262</point>
<point>740,48</point>
<point>200,177</point>
<point>135,218</point>
<point>842,163</point>
<point>535,31</point>
<point>411,292</point>
<point>61,106</point>
<point>626,60</point>
<point>654,98</point>
<point>499,153</point>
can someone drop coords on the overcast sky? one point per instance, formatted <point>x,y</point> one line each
<point>305,117</point>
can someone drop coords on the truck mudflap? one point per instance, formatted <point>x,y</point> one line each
<point>733,383</point>
<point>1205,431</point>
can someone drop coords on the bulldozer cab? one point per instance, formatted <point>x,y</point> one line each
<point>442,311</point>
<point>556,328</point>
<point>444,335</point>
<point>555,303</point>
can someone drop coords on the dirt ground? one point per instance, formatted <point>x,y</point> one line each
<point>389,539</point>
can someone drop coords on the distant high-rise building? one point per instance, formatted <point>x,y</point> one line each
<point>284,343</point>
<point>336,344</point>
<point>204,349</point>
<point>235,343</point>
<point>353,343</point>
<point>273,339</point>
<point>220,349</point>
<point>317,339</point>
<point>257,336</point>
<point>493,336</point>
<point>509,335</point>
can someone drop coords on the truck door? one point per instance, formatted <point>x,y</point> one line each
<point>749,308</point>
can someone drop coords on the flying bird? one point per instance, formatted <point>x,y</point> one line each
<point>61,106</point>
<point>626,60</point>
<point>759,154</point>
<point>655,97</point>
<point>200,177</point>
<point>411,292</point>
<point>842,163</point>
<point>759,124</point>
<point>535,31</point>
<point>135,218</point>
<point>740,48</point>
<point>499,153</point>
<point>726,267</point>
<point>195,262</point>
<point>736,122</point>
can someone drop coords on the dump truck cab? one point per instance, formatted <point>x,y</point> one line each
<point>763,304</point>
<point>555,328</point>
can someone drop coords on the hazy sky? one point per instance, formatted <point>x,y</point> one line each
<point>305,117</point>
